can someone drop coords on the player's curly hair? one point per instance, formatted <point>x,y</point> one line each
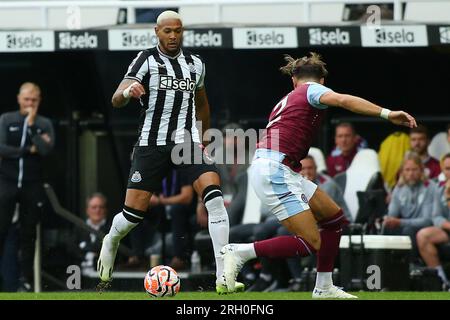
<point>310,66</point>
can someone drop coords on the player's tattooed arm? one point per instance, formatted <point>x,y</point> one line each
<point>126,90</point>
<point>362,106</point>
<point>202,109</point>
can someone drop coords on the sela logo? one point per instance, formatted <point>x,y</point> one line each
<point>28,41</point>
<point>130,39</point>
<point>402,36</point>
<point>444,34</point>
<point>271,37</point>
<point>170,83</point>
<point>210,38</point>
<point>336,37</point>
<point>69,40</point>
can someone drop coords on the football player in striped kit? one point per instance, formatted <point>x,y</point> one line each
<point>169,83</point>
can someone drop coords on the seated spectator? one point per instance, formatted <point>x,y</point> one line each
<point>420,139</point>
<point>412,201</point>
<point>429,238</point>
<point>347,144</point>
<point>89,244</point>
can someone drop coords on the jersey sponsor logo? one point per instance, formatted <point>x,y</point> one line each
<point>207,38</point>
<point>27,41</point>
<point>444,34</point>
<point>264,38</point>
<point>171,83</point>
<point>394,36</point>
<point>69,40</point>
<point>137,39</point>
<point>13,129</point>
<point>136,177</point>
<point>318,36</point>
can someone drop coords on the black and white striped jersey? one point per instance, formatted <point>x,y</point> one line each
<point>170,84</point>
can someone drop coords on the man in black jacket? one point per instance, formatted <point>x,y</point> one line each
<point>25,137</point>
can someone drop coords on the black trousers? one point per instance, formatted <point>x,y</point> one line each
<point>31,197</point>
<point>183,229</point>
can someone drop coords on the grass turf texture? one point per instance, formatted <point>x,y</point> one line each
<point>214,296</point>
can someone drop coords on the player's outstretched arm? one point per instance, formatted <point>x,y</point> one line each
<point>362,106</point>
<point>127,89</point>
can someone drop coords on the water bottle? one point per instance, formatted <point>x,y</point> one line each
<point>195,262</point>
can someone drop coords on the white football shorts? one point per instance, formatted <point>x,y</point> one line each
<point>285,192</point>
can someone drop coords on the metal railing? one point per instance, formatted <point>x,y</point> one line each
<point>218,5</point>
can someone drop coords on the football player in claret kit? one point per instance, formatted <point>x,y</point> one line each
<point>169,83</point>
<point>313,218</point>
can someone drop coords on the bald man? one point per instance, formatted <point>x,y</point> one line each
<point>25,138</point>
<point>168,81</point>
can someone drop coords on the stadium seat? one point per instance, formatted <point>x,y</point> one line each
<point>363,171</point>
<point>439,145</point>
<point>319,159</point>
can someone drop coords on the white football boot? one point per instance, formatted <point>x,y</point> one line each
<point>233,263</point>
<point>332,292</point>
<point>105,263</point>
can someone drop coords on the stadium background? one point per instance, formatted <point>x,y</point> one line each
<point>93,141</point>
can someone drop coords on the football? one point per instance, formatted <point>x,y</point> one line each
<point>162,281</point>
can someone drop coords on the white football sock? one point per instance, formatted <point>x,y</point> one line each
<point>324,280</point>
<point>219,228</point>
<point>245,250</point>
<point>441,274</point>
<point>120,227</point>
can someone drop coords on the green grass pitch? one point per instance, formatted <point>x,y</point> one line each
<point>80,295</point>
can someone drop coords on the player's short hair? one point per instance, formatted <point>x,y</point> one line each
<point>30,85</point>
<point>420,129</point>
<point>310,66</point>
<point>97,195</point>
<point>168,14</point>
<point>346,125</point>
<point>310,157</point>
